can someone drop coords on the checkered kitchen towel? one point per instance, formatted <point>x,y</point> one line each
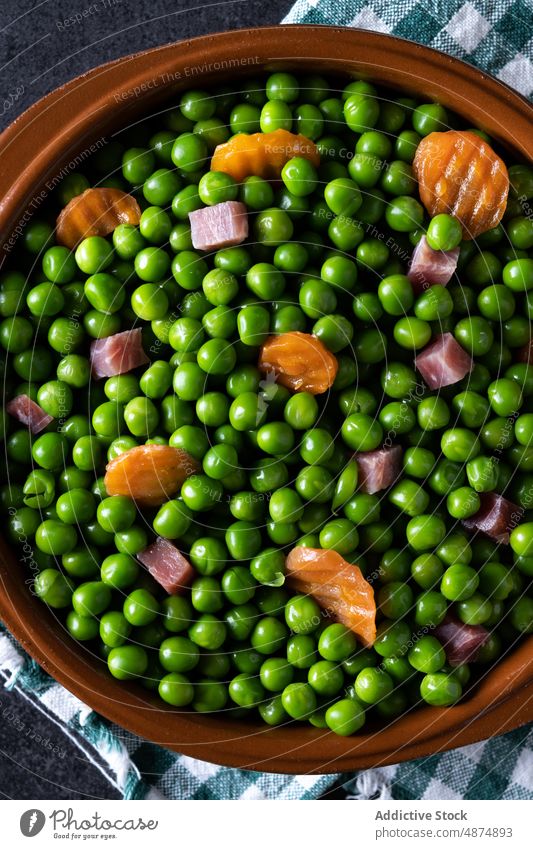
<point>495,35</point>
<point>498,37</point>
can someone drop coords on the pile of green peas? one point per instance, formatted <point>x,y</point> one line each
<point>327,254</point>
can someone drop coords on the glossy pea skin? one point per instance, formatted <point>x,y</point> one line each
<point>140,607</point>
<point>372,685</point>
<point>119,571</point>
<point>276,674</point>
<point>302,614</point>
<point>299,700</point>
<point>459,445</point>
<point>116,513</point>
<point>53,537</point>
<point>440,689</point>
<point>53,588</point>
<point>246,691</point>
<point>425,532</point>
<point>114,629</point>
<point>505,396</point>
<point>176,689</point>
<point>459,582</point>
<point>427,655</point>
<point>409,497</point>
<point>127,662</point>
<point>336,643</point>
<point>91,598</point>
<point>361,433</point>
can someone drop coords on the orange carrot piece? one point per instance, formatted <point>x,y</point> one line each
<point>338,586</point>
<point>459,174</point>
<point>299,361</point>
<point>150,474</point>
<point>96,212</point>
<point>262,154</point>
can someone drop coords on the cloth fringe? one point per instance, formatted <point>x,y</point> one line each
<point>12,661</point>
<point>371,784</point>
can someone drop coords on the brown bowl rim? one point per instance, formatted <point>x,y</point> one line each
<point>72,115</point>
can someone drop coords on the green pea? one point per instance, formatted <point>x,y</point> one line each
<point>54,537</point>
<point>427,570</point>
<point>81,627</point>
<point>412,333</point>
<point>116,513</point>
<point>522,615</point>
<point>361,432</point>
<point>431,607</point>
<point>91,598</point>
<point>208,632</point>
<point>275,115</point>
<point>409,497</point>
<point>505,396</point>
<point>425,532</point>
<point>176,689</point>
<point>243,540</point>
<point>336,643</point>
<point>53,588</point>
<point>127,662</point>
<point>299,700</point>
<point>440,689</point>
<point>475,335</point>
<point>316,298</point>
<point>459,582</point>
<point>521,539</point>
<point>517,275</point>
<point>119,571</point>
<point>459,444</point>
<point>114,629</point>
<point>276,438</point>
<point>39,489</point>
<point>482,473</point>
<point>76,506</point>
<point>335,331</point>
<point>372,685</point>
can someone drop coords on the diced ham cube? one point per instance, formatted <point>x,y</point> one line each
<point>443,362</point>
<point>378,469</point>
<point>219,226</point>
<point>167,566</point>
<point>460,642</point>
<point>117,354</point>
<point>431,268</point>
<point>496,517</point>
<point>525,353</point>
<point>29,413</point>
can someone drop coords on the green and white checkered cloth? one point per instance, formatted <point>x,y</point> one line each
<point>498,37</point>
<point>495,35</point>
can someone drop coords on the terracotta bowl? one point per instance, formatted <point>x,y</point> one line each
<point>49,136</point>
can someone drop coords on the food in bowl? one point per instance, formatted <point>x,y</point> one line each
<point>272,444</point>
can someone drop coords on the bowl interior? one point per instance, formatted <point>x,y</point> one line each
<point>71,123</point>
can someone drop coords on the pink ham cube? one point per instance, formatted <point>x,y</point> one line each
<point>496,517</point>
<point>167,566</point>
<point>378,469</point>
<point>443,362</point>
<point>117,354</point>
<point>28,413</point>
<point>431,268</point>
<point>219,226</point>
<point>460,642</point>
